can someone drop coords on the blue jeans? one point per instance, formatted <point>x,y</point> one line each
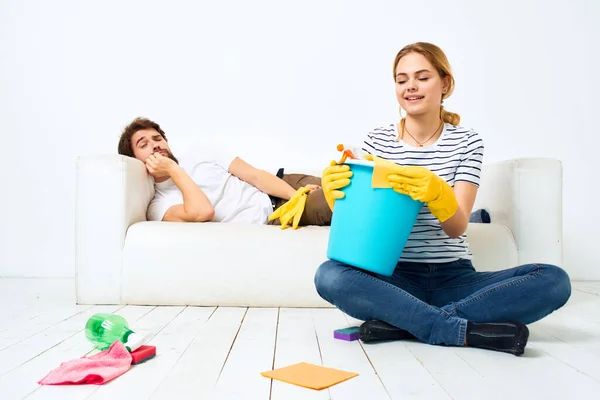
<point>434,301</point>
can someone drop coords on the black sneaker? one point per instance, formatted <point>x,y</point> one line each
<point>508,337</point>
<point>374,330</point>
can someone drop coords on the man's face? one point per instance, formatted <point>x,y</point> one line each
<point>148,141</point>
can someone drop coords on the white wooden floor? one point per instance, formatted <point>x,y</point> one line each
<point>218,353</point>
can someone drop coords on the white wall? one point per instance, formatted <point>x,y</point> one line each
<point>73,73</point>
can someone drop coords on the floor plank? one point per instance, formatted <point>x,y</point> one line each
<point>170,342</point>
<point>251,354</point>
<point>578,358</point>
<point>220,354</point>
<point>197,370</point>
<point>577,323</point>
<point>347,356</point>
<point>29,307</point>
<point>153,321</point>
<point>12,357</point>
<point>591,287</point>
<point>533,375</point>
<point>23,380</point>
<point>35,320</point>
<point>296,342</point>
<point>401,372</point>
<point>448,366</point>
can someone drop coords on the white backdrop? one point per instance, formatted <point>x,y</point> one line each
<point>264,72</point>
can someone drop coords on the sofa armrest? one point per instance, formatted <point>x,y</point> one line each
<point>525,194</point>
<point>112,193</point>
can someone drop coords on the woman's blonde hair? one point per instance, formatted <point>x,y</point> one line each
<point>438,59</point>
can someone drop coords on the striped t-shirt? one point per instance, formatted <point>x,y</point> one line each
<point>456,156</point>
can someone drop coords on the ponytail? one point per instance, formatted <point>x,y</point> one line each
<point>449,117</point>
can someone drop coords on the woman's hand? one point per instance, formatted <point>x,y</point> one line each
<point>335,177</point>
<point>423,185</point>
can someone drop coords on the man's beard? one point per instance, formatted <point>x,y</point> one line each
<point>169,155</point>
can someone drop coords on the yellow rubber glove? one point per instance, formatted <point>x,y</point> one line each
<point>423,185</point>
<point>335,177</point>
<point>292,210</point>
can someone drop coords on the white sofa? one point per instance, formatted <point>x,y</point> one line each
<point>121,258</point>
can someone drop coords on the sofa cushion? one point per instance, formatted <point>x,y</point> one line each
<point>212,264</point>
<point>217,264</point>
<point>493,246</point>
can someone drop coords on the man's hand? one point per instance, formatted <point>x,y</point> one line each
<point>159,166</point>
<point>312,187</point>
<point>292,210</point>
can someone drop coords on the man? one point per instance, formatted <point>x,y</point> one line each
<point>209,185</point>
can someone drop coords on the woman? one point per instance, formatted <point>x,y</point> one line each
<point>435,294</point>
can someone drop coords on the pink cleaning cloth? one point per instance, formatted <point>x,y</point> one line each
<point>97,369</point>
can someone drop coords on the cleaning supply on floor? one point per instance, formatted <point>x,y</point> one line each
<point>103,329</point>
<point>97,369</point>
<point>142,354</point>
<point>348,334</point>
<point>370,225</point>
<point>310,375</point>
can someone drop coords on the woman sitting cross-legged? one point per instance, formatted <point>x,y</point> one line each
<point>435,294</point>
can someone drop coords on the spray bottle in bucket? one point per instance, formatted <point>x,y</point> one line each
<point>370,226</point>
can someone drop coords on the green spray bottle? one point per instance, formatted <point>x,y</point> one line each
<point>104,329</point>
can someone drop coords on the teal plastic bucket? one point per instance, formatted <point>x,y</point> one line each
<point>370,227</point>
